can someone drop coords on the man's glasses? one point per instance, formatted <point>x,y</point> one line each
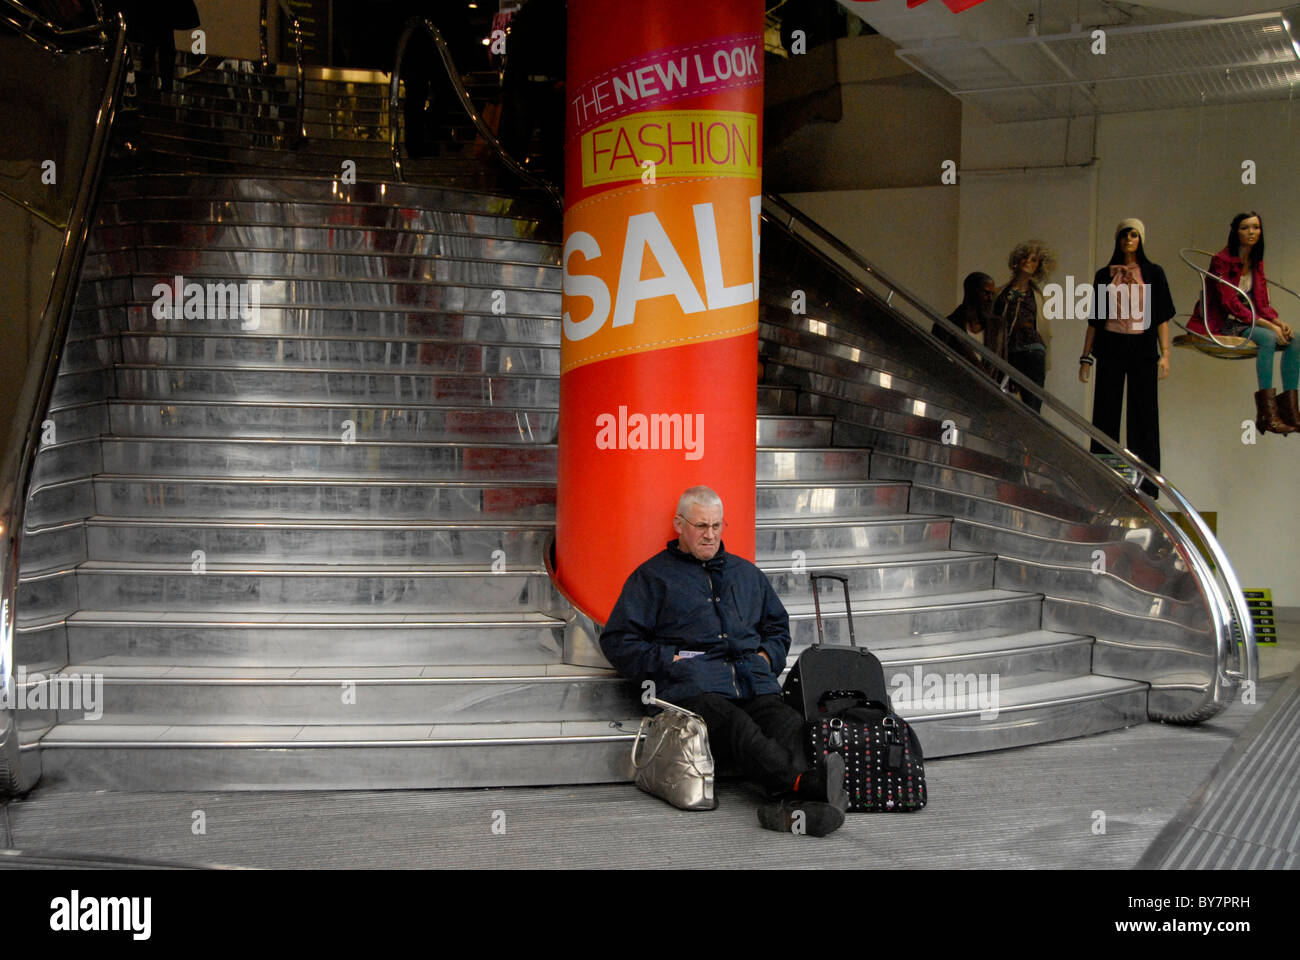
<point>704,527</point>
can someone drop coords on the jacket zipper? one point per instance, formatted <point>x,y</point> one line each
<point>734,682</point>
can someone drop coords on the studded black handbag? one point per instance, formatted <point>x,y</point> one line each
<point>883,764</point>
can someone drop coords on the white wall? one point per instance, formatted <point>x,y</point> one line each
<point>1179,171</point>
<point>231,27</point>
<point>909,233</point>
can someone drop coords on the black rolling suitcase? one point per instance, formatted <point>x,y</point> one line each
<point>827,678</point>
<point>842,694</point>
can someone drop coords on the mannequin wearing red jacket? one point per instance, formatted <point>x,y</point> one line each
<point>1227,312</point>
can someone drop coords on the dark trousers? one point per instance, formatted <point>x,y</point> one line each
<point>1032,362</point>
<point>1129,362</point>
<point>762,737</point>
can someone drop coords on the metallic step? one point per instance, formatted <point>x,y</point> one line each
<point>815,502</point>
<point>247,198</point>
<point>467,641</point>
<point>151,382</point>
<point>895,576</point>
<point>356,356</point>
<point>1116,551</point>
<point>212,220</point>
<point>59,502</point>
<point>981,519</point>
<point>270,159</point>
<point>305,458</point>
<point>277,289</point>
<point>958,479</point>
<point>76,422</point>
<point>88,387</point>
<point>1010,658</point>
<point>1008,661</point>
<point>352,323</point>
<point>880,623</point>
<point>794,431</point>
<point>94,354</point>
<point>812,464</point>
<point>777,400</point>
<point>87,756</point>
<point>323,498</point>
<point>98,756</point>
<point>306,588</point>
<point>778,540</point>
<point>206,215</point>
<point>141,418</point>
<point>390,267</point>
<point>1121,586</point>
<point>906,426</point>
<point>478,546</point>
<point>268,696</point>
<point>406,240</point>
<point>1037,713</point>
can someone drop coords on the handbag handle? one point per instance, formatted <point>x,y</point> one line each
<point>640,733</point>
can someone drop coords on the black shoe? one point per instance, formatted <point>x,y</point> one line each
<point>806,817</point>
<point>824,784</point>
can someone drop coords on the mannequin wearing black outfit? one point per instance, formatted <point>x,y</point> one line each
<point>1133,347</point>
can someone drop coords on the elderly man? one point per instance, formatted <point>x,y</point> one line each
<point>708,629</point>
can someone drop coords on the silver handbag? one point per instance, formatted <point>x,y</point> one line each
<point>675,764</point>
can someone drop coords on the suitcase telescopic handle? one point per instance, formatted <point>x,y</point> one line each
<point>817,605</point>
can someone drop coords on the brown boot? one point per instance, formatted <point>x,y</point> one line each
<point>1266,416</point>
<point>1288,409</point>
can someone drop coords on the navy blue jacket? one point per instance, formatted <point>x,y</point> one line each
<point>724,610</point>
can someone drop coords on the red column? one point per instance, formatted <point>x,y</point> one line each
<point>660,331</point>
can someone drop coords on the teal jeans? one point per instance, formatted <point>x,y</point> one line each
<point>1267,341</point>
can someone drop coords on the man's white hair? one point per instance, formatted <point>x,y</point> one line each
<point>704,496</point>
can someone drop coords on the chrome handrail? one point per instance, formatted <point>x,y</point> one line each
<point>295,25</point>
<point>1205,302</point>
<point>29,19</point>
<point>1226,599</point>
<point>19,461</point>
<point>462,95</point>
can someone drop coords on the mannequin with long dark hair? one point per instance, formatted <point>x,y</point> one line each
<point>1241,263</point>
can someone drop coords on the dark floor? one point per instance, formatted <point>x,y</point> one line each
<point>1092,803</point>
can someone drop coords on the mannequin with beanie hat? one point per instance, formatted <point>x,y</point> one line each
<point>1131,347</point>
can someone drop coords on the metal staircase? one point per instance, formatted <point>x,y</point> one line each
<point>305,549</point>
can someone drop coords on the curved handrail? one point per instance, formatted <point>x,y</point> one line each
<point>27,20</point>
<point>1205,302</point>
<point>295,25</point>
<point>1227,600</point>
<point>19,461</point>
<point>462,95</point>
